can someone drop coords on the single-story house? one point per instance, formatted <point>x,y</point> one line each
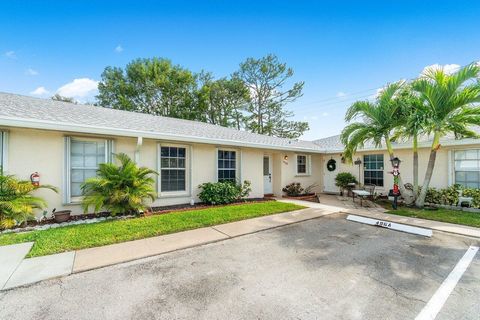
<point>65,142</point>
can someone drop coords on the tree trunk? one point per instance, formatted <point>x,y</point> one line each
<point>415,165</point>
<point>428,174</point>
<point>407,196</point>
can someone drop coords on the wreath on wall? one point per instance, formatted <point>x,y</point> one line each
<point>331,165</point>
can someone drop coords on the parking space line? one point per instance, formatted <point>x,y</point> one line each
<point>435,304</point>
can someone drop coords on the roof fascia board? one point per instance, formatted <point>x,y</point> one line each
<point>70,127</point>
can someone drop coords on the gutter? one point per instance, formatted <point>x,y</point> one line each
<point>71,127</point>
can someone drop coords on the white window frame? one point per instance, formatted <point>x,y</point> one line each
<point>188,171</point>
<point>4,154</point>
<point>452,161</point>
<point>238,159</point>
<point>67,197</point>
<point>308,165</point>
<point>383,169</point>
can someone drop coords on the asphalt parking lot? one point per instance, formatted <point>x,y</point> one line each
<point>326,268</point>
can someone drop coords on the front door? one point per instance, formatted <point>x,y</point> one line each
<point>267,175</point>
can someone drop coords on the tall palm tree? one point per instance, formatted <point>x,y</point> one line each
<point>451,102</point>
<point>414,114</point>
<point>378,120</point>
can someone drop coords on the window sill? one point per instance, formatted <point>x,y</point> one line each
<point>302,175</point>
<point>173,194</point>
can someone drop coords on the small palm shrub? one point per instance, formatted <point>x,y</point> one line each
<point>17,202</point>
<point>343,179</point>
<point>223,192</point>
<point>120,189</point>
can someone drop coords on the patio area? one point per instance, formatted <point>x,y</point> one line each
<point>349,203</point>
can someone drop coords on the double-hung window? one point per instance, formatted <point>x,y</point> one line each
<point>303,164</point>
<point>227,165</point>
<point>83,157</point>
<point>373,169</point>
<point>173,169</point>
<point>467,168</point>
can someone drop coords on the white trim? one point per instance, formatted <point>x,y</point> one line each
<point>4,155</point>
<point>67,192</point>
<point>451,170</point>
<point>72,127</point>
<point>238,163</point>
<point>188,168</point>
<point>308,165</point>
<point>452,164</point>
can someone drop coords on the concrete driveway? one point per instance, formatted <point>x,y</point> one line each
<point>326,268</point>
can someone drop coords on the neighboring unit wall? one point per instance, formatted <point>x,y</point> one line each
<point>442,175</point>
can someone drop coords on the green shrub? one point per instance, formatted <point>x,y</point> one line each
<point>343,179</point>
<point>17,204</point>
<point>125,188</point>
<point>449,196</point>
<point>223,192</point>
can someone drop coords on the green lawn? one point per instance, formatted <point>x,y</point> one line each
<point>444,215</point>
<point>98,234</point>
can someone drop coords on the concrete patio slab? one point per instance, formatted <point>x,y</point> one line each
<point>10,258</point>
<point>36,269</point>
<point>93,258</point>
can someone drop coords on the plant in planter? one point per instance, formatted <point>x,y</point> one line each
<point>120,189</point>
<point>293,189</point>
<point>17,202</point>
<point>343,180</point>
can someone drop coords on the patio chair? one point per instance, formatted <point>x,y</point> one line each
<point>371,189</point>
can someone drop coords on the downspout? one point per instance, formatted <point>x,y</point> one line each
<point>137,149</point>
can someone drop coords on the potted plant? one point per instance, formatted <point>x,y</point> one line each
<point>344,180</point>
<point>61,216</point>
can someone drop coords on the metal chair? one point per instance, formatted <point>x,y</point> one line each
<point>371,189</point>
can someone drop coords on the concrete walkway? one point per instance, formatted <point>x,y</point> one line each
<point>28,271</point>
<point>379,214</point>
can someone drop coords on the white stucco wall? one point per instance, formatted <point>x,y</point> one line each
<point>442,174</point>
<point>44,152</point>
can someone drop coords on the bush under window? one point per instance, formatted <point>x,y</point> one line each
<point>224,192</point>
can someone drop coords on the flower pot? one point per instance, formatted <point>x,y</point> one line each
<point>62,216</point>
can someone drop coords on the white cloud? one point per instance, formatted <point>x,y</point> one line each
<point>448,68</point>
<point>40,91</point>
<point>10,54</point>
<point>118,48</point>
<point>80,89</point>
<point>341,94</point>
<point>31,72</point>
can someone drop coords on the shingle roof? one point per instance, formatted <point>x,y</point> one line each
<point>57,115</point>
<point>333,143</point>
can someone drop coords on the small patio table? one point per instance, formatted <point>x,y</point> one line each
<point>360,194</point>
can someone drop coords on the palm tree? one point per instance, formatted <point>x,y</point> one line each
<point>451,105</point>
<point>414,115</point>
<point>125,188</point>
<point>17,203</point>
<point>378,120</point>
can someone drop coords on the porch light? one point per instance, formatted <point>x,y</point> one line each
<point>396,162</point>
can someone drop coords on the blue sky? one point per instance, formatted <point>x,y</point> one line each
<point>343,50</point>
